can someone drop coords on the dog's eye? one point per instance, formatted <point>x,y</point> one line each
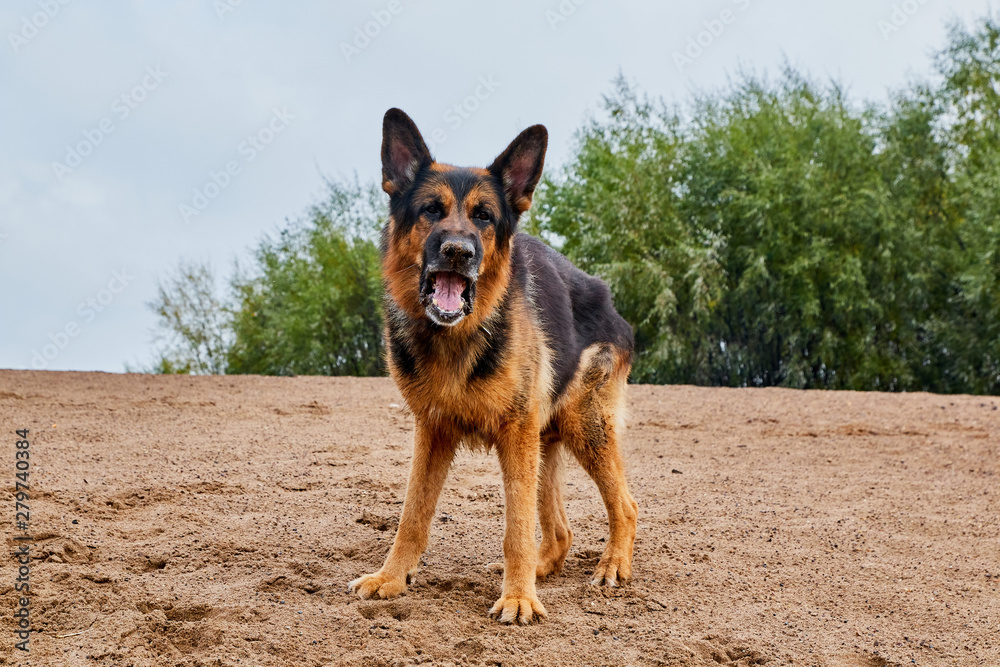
<point>482,214</point>
<point>433,210</point>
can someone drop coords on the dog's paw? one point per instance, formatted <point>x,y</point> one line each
<point>545,569</point>
<point>552,555</point>
<point>377,585</point>
<point>518,609</point>
<point>612,571</point>
<point>550,563</point>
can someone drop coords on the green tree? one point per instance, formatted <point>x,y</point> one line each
<point>617,213</point>
<point>775,234</point>
<point>312,306</point>
<point>309,304</point>
<point>193,322</point>
<point>772,233</point>
<point>969,110</point>
<point>741,242</point>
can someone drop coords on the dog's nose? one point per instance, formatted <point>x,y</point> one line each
<point>458,250</point>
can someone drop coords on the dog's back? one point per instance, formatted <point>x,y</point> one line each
<point>573,308</point>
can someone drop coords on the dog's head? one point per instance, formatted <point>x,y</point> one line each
<point>446,247</point>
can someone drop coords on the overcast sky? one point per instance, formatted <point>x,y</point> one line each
<point>137,134</point>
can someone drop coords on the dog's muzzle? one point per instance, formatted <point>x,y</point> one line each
<point>448,283</point>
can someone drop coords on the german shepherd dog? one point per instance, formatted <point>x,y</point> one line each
<point>495,340</point>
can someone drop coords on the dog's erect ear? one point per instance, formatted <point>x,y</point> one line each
<point>403,152</point>
<point>520,166</point>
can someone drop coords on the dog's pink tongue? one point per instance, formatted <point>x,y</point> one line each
<point>448,291</point>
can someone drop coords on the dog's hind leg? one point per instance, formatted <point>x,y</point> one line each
<point>594,434</point>
<point>556,535</point>
<point>432,456</point>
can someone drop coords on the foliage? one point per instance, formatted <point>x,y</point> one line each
<point>969,111</point>
<point>774,234</point>
<point>314,305</point>
<point>310,304</point>
<point>193,322</point>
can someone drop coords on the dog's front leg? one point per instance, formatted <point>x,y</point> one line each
<point>432,456</point>
<point>518,451</point>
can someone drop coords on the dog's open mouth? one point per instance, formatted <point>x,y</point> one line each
<point>447,296</point>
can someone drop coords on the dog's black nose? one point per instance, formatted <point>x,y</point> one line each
<point>458,250</point>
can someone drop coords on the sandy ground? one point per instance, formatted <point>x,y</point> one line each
<point>217,521</point>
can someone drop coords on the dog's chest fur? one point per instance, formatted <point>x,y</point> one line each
<point>473,383</point>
